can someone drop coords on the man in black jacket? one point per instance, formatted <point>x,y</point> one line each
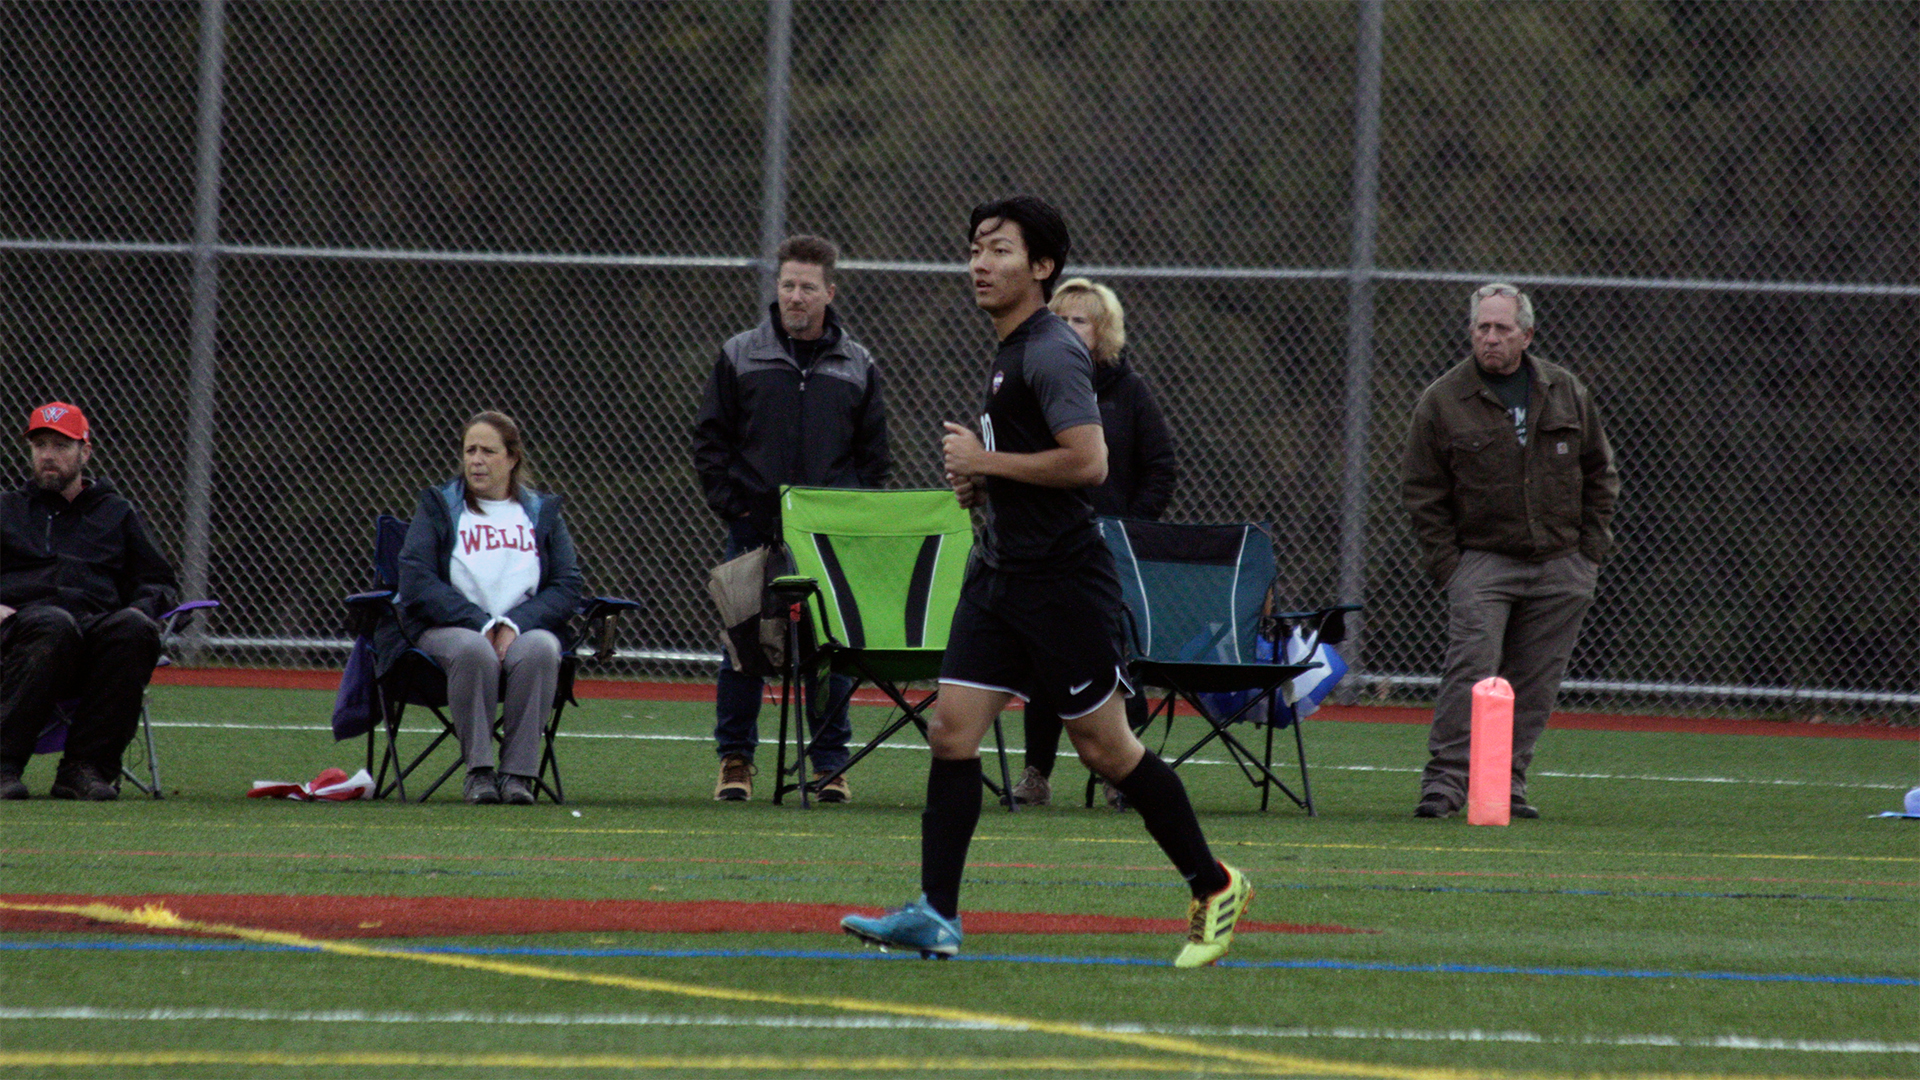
<point>82,588</point>
<point>795,400</point>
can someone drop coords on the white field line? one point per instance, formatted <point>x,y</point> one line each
<point>658,737</point>
<point>355,1016</point>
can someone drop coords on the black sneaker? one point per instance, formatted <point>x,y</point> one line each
<point>11,786</point>
<point>1435,805</point>
<point>82,782</point>
<point>515,790</point>
<point>483,787</point>
<point>1521,808</point>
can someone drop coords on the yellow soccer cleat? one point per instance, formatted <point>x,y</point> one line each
<point>1210,922</point>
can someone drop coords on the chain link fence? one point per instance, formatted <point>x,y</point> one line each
<point>278,252</point>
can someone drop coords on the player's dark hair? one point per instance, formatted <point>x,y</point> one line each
<point>1041,226</point>
<point>812,250</point>
<point>514,443</point>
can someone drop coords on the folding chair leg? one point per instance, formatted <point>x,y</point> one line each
<point>906,717</point>
<point>801,742</point>
<point>1266,789</point>
<point>1004,792</point>
<point>791,709</point>
<point>1257,772</point>
<point>449,771</point>
<point>390,713</point>
<point>790,682</point>
<point>153,761</point>
<point>1306,786</point>
<point>548,762</point>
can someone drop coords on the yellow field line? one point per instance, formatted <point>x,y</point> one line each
<point>812,1065</point>
<point>156,916</point>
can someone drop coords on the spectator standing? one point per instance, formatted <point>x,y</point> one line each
<point>795,400</point>
<point>1510,483</point>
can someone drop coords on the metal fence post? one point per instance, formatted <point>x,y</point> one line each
<point>773,187</point>
<point>1360,281</point>
<point>197,539</point>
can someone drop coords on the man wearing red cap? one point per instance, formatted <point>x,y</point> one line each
<point>82,588</point>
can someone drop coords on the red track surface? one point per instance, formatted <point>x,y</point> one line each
<point>441,916</point>
<point>610,689</point>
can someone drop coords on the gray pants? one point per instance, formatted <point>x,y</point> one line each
<point>1515,619</point>
<point>475,675</point>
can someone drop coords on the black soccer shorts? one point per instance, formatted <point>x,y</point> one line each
<point>1054,640</point>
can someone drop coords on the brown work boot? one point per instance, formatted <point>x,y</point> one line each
<point>1033,788</point>
<point>835,791</point>
<point>736,779</point>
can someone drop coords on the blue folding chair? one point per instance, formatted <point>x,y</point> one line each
<point>415,679</point>
<point>1201,628</point>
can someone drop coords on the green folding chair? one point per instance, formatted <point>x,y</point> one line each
<point>876,577</point>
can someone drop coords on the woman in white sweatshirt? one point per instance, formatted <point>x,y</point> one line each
<point>488,586</point>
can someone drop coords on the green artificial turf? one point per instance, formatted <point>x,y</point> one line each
<point>1689,904</point>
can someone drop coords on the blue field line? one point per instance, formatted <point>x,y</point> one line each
<point>1004,958</point>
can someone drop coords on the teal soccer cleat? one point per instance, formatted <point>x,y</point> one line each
<point>915,926</point>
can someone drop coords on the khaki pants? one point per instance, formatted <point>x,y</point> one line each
<point>1515,619</point>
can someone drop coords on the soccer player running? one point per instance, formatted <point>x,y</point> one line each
<point>1038,617</point>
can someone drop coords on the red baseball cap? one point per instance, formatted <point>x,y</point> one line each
<point>66,419</point>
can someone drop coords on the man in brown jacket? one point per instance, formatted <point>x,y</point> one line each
<point>1511,485</point>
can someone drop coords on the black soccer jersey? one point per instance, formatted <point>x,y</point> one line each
<point>1041,384</point>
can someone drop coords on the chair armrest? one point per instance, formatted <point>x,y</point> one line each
<point>379,600</point>
<point>173,621</point>
<point>365,610</point>
<point>800,596</point>
<point>791,587</point>
<point>595,607</point>
<point>603,620</point>
<point>1324,626</point>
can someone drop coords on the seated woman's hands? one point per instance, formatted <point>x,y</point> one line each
<point>501,638</point>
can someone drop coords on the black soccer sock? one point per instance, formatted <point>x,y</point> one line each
<point>1160,797</point>
<point>946,828</point>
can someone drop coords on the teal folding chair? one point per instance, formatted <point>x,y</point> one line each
<point>876,577</point>
<point>1199,612</point>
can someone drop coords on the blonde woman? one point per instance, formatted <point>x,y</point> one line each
<point>1141,470</point>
